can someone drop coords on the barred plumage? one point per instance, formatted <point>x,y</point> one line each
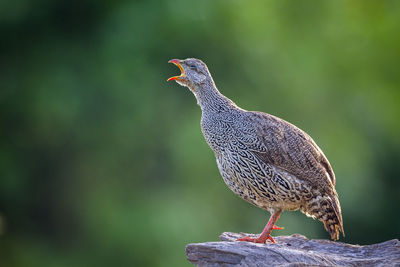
<point>263,159</point>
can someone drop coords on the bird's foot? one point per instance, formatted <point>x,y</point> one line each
<point>261,239</point>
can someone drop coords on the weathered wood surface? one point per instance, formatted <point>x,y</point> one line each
<point>294,250</point>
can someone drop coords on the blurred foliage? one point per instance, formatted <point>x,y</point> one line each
<point>103,163</point>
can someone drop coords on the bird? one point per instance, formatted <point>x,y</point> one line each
<point>263,159</point>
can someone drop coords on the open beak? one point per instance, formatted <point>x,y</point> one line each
<point>177,63</point>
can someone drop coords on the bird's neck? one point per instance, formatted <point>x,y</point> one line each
<point>210,99</point>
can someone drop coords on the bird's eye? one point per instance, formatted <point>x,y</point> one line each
<point>193,67</point>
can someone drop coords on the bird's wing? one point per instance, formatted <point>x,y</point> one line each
<point>285,146</point>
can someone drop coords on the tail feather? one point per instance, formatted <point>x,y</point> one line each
<point>338,212</point>
<point>327,210</point>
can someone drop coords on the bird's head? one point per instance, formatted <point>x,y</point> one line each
<point>194,73</point>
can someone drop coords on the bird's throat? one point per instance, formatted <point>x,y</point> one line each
<point>209,98</point>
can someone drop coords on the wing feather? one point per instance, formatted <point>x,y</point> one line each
<point>287,147</point>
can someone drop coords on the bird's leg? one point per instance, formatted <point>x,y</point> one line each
<point>266,233</point>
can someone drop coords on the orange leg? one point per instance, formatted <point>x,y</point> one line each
<point>266,233</point>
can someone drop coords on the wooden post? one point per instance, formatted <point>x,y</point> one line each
<point>294,250</point>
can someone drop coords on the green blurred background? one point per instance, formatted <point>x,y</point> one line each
<point>103,162</point>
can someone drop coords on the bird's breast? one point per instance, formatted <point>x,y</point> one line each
<point>217,131</point>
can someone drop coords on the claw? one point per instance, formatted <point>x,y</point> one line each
<point>261,240</point>
<point>277,227</point>
<point>270,238</point>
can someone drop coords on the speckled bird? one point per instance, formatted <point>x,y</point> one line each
<point>265,160</point>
